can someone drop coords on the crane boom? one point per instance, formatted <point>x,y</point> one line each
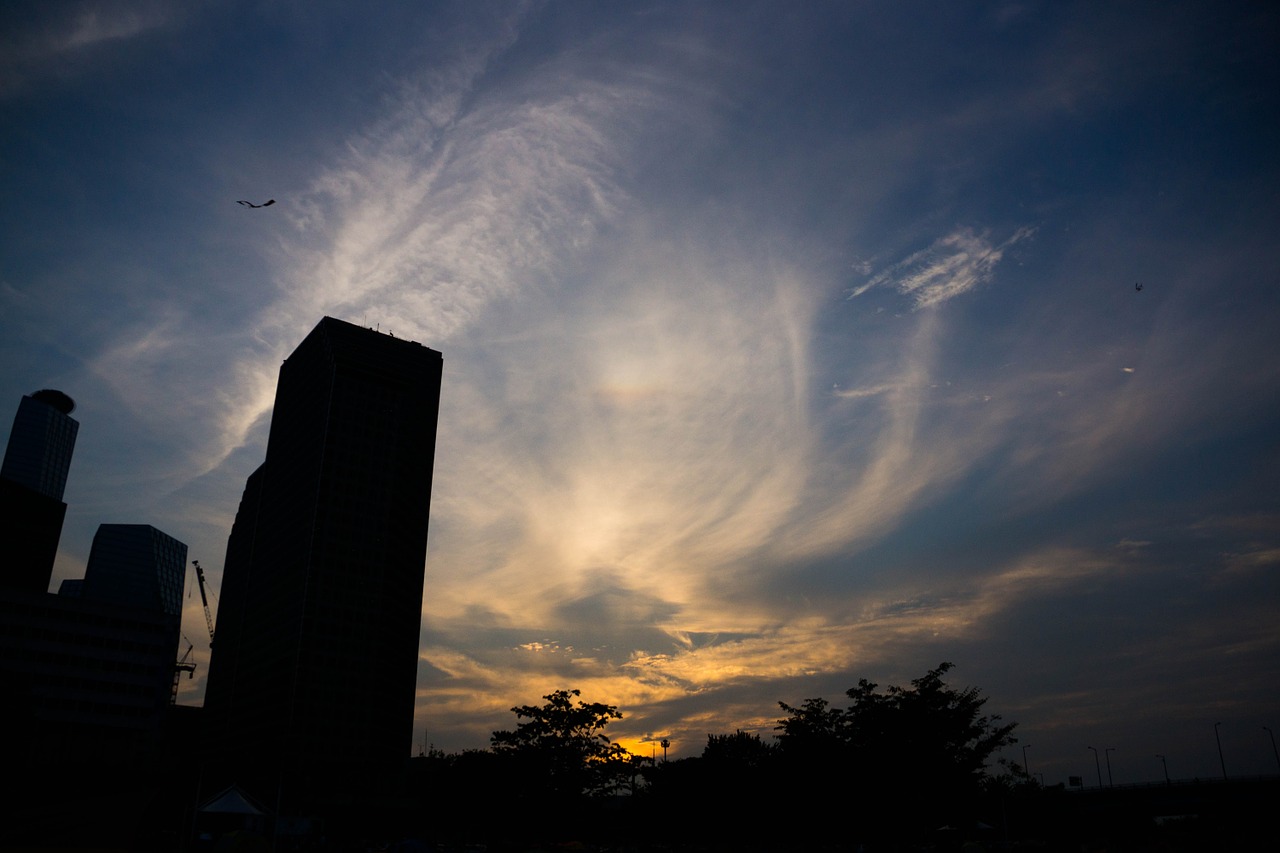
<point>208,615</point>
<point>187,665</point>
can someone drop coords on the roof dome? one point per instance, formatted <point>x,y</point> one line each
<point>57,399</point>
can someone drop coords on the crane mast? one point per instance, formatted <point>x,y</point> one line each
<point>208,615</point>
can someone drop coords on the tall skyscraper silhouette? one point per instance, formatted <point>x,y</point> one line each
<point>32,478</point>
<point>315,658</point>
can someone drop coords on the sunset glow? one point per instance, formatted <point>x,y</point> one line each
<point>784,344</point>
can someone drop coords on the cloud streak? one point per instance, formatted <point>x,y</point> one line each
<point>60,41</point>
<point>951,266</point>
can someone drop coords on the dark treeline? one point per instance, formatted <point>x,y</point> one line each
<point>898,768</point>
<point>893,766</point>
<point>892,763</point>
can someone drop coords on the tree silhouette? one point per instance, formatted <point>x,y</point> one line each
<point>942,730</point>
<point>917,753</point>
<point>563,748</point>
<point>929,725</point>
<point>739,751</point>
<point>814,726</point>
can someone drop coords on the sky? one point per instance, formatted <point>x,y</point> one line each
<point>785,344</point>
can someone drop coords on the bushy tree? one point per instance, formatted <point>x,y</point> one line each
<point>814,726</point>
<point>739,751</point>
<point>562,746</point>
<point>918,752</point>
<point>943,730</point>
<point>928,725</point>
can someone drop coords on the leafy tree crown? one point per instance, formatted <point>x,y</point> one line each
<point>928,728</point>
<point>565,743</point>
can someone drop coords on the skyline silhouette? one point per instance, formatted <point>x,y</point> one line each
<point>787,345</point>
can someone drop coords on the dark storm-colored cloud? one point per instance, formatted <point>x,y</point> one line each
<point>612,619</point>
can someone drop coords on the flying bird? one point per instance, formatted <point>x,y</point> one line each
<point>251,204</point>
<point>1137,285</point>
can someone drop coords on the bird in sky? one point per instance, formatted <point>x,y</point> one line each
<point>1137,285</point>
<point>251,204</point>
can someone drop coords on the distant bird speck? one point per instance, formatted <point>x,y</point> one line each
<point>1137,285</point>
<point>251,204</point>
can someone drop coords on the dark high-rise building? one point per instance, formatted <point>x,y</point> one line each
<point>315,659</point>
<point>40,446</point>
<point>32,479</point>
<point>137,566</point>
<point>98,659</point>
<point>89,675</point>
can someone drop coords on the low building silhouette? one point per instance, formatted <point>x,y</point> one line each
<point>88,673</point>
<point>95,663</point>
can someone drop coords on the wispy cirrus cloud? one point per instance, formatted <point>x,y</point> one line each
<point>952,265</point>
<point>57,41</point>
<point>677,437</point>
<point>681,461</point>
<point>458,196</point>
<point>95,23</point>
<point>863,391</point>
<point>462,195</point>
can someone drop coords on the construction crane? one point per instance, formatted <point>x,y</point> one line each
<point>208,615</point>
<point>187,665</point>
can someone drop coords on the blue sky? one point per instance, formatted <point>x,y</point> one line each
<point>785,344</point>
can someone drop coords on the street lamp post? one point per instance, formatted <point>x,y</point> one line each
<point>1221,761</point>
<point>1026,768</point>
<point>1273,745</point>
<point>1097,764</point>
<point>1166,769</point>
<point>1110,782</point>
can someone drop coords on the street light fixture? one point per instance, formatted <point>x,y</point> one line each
<point>1221,761</point>
<point>1097,764</point>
